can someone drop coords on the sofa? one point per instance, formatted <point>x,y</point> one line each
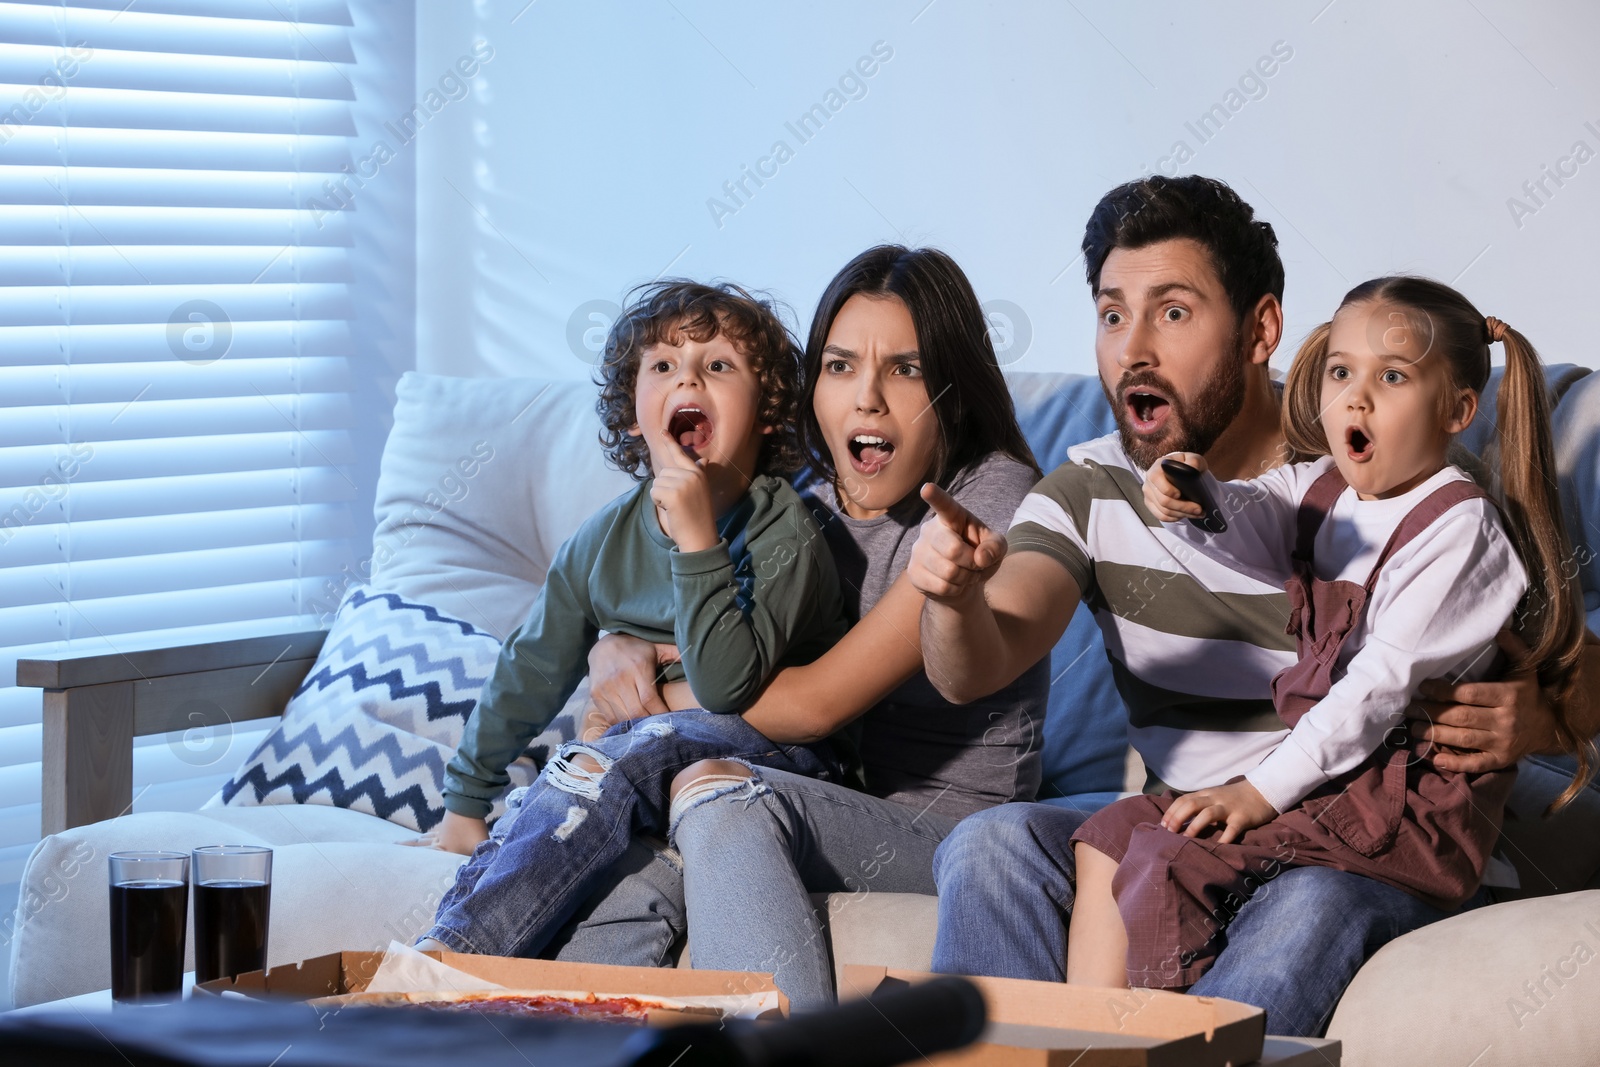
<point>481,480</point>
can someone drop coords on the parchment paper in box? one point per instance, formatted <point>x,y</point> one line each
<point>405,970</point>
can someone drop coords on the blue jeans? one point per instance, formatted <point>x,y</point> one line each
<point>1006,882</point>
<point>635,918</point>
<point>754,851</point>
<point>553,850</point>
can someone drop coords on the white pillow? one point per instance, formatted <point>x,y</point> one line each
<point>482,479</point>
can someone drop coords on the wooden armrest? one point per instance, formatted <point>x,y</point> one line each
<point>94,706</point>
<point>68,672</point>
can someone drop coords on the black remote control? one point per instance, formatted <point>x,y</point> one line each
<point>1192,487</point>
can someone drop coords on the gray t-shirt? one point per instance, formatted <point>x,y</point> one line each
<point>917,747</point>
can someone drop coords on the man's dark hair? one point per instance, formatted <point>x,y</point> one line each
<point>1243,249</point>
<point>661,311</point>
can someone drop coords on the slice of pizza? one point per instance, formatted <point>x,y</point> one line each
<point>542,1003</point>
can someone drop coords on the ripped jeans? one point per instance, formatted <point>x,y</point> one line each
<point>546,855</point>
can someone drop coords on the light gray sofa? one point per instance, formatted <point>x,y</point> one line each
<point>478,549</point>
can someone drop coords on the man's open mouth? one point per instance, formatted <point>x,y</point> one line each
<point>1147,409</point>
<point>1358,443</point>
<point>691,428</point>
<point>870,453</point>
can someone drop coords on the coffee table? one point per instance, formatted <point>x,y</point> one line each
<point>99,1000</point>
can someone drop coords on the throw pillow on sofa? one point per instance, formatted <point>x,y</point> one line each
<point>381,713</point>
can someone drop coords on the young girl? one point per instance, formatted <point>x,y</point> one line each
<point>1399,569</point>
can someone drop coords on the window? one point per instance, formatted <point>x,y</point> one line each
<point>201,318</point>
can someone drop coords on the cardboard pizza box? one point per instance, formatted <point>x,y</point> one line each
<point>1050,1024</point>
<point>1299,1052</point>
<point>340,973</point>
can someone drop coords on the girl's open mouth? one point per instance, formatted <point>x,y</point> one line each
<point>1358,444</point>
<point>691,428</point>
<point>1147,411</point>
<point>870,453</point>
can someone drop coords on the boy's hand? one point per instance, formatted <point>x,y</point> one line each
<point>683,493</point>
<point>955,553</point>
<point>1238,806</point>
<point>1162,497</point>
<point>457,833</point>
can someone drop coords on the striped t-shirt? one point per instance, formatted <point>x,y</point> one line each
<point>1193,644</point>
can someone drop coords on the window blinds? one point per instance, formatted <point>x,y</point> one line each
<point>177,352</point>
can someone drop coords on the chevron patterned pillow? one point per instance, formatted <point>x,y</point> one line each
<point>381,713</point>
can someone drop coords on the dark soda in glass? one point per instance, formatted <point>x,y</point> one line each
<point>230,928</point>
<point>147,926</point>
<point>232,887</point>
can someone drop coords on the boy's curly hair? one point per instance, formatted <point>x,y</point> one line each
<point>660,311</point>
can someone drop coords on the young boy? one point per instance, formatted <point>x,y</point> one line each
<point>712,552</point>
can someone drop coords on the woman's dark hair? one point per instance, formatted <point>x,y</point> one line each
<point>660,311</point>
<point>1551,617</point>
<point>965,387</point>
<point>1243,249</point>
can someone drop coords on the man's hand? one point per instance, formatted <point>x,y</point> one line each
<point>1238,806</point>
<point>624,682</point>
<point>1492,724</point>
<point>955,553</point>
<point>1163,498</point>
<point>683,493</point>
<point>457,833</point>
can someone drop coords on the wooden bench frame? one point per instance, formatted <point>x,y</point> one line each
<point>94,706</point>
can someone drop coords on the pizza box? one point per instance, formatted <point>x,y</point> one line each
<point>1299,1052</point>
<point>1051,1024</point>
<point>340,973</point>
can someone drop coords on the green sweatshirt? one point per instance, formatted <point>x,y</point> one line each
<point>765,597</point>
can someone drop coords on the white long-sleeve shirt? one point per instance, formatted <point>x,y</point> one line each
<point>1434,611</point>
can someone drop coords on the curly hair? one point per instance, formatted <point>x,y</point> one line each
<point>663,310</point>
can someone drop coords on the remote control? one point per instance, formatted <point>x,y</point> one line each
<point>1192,487</point>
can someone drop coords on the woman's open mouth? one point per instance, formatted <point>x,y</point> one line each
<point>1358,444</point>
<point>691,428</point>
<point>870,453</point>
<point>1147,410</point>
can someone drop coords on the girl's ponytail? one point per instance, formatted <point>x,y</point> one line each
<point>1302,396</point>
<point>1551,621</point>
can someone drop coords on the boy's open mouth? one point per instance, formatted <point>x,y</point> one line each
<point>870,453</point>
<point>1358,444</point>
<point>691,428</point>
<point>1147,409</point>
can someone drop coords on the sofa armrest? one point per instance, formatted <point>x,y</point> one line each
<point>94,706</point>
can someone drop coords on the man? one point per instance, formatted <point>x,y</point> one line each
<point>1188,288</point>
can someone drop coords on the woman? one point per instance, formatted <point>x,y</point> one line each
<point>902,389</point>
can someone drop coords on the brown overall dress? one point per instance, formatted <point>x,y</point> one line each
<point>1396,818</point>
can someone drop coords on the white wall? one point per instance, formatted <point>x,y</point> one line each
<point>1389,137</point>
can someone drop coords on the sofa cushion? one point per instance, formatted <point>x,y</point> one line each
<point>481,481</point>
<point>1509,984</point>
<point>301,824</point>
<point>1575,425</point>
<point>880,929</point>
<point>381,713</point>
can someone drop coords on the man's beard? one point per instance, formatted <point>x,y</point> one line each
<point>1192,425</point>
